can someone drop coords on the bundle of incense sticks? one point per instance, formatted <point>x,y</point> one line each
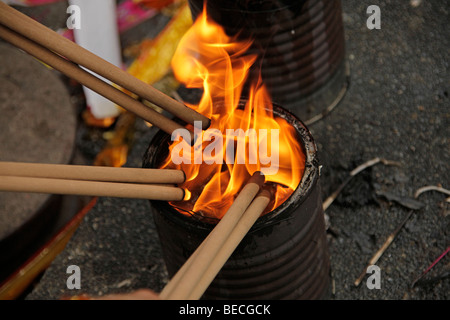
<point>154,184</point>
<point>72,60</point>
<point>194,277</point>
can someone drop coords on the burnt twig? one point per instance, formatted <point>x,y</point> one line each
<point>430,267</point>
<point>383,248</point>
<point>391,237</point>
<point>430,188</point>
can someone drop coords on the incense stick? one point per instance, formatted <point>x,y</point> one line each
<point>383,248</point>
<point>181,286</point>
<point>249,217</point>
<point>91,173</point>
<point>85,78</point>
<point>171,286</point>
<point>47,38</point>
<point>91,188</point>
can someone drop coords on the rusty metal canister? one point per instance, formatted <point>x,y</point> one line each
<point>300,44</point>
<point>285,253</point>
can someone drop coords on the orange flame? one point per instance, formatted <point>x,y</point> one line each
<point>210,59</point>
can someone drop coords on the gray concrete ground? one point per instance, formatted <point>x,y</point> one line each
<point>397,108</point>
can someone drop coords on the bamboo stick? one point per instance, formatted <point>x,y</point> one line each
<point>181,287</point>
<point>47,38</point>
<point>89,80</point>
<point>91,173</point>
<point>249,217</point>
<point>171,286</point>
<point>383,248</point>
<point>91,188</point>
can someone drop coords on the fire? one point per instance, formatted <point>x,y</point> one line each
<point>208,58</point>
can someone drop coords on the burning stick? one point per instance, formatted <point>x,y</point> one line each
<point>50,40</point>
<point>91,173</point>
<point>75,72</point>
<point>245,223</point>
<point>91,188</point>
<point>183,283</point>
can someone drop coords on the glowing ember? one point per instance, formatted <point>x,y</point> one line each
<point>242,138</point>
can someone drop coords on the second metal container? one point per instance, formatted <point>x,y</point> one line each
<point>300,44</point>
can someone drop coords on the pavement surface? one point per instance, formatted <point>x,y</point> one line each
<point>397,108</point>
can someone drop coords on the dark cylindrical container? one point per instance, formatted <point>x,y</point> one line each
<point>300,44</point>
<point>283,256</point>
